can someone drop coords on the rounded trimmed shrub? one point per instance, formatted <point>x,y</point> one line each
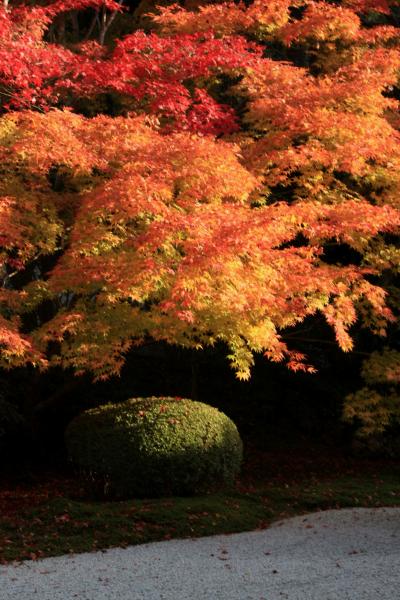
<point>155,447</point>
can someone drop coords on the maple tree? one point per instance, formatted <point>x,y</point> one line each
<point>202,208</point>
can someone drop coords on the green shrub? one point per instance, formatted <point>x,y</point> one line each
<point>155,447</point>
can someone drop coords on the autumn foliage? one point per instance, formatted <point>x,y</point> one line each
<point>241,142</point>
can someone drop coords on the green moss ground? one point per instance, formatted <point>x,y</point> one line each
<point>51,514</point>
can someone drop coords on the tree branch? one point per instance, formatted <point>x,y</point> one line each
<point>107,22</point>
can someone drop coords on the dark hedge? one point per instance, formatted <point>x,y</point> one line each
<point>155,447</point>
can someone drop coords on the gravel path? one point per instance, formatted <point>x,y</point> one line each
<point>351,554</point>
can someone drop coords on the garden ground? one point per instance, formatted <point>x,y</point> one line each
<point>49,513</point>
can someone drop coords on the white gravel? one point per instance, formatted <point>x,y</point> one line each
<point>351,554</point>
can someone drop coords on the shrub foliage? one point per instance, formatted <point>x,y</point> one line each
<point>155,447</point>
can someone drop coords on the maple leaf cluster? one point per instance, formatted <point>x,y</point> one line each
<point>200,212</point>
<point>376,405</point>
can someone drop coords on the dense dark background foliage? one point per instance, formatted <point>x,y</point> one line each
<point>275,407</point>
